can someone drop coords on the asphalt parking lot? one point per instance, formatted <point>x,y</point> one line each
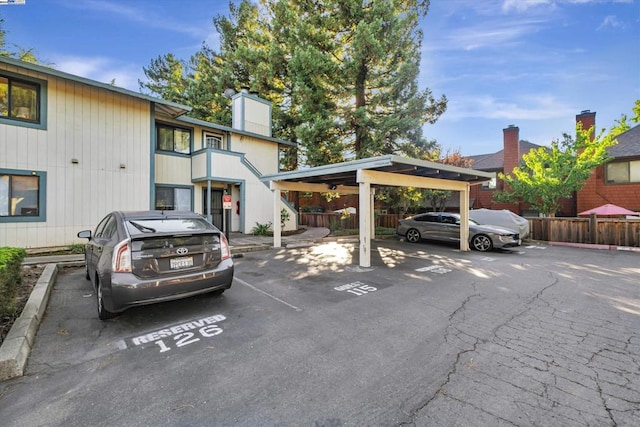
<point>429,335</point>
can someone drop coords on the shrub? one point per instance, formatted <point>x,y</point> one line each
<point>261,229</point>
<point>10,278</point>
<point>284,217</point>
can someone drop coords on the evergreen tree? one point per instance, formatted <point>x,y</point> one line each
<point>26,55</point>
<point>341,74</point>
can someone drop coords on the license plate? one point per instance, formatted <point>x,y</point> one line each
<point>184,262</point>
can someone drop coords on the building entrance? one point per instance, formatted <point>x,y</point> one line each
<point>216,206</point>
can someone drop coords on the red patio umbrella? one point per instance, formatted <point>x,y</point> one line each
<point>609,210</point>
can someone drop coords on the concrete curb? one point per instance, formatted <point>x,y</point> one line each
<point>16,347</point>
<point>595,246</point>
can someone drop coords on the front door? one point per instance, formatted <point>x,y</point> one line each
<point>216,206</point>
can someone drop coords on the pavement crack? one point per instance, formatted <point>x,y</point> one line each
<point>412,416</point>
<point>527,305</point>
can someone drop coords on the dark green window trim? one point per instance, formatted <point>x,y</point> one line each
<point>172,188</point>
<point>167,139</point>
<point>40,121</point>
<point>42,192</point>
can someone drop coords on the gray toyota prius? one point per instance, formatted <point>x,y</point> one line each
<point>138,258</point>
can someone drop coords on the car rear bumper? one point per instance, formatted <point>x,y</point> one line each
<point>127,290</point>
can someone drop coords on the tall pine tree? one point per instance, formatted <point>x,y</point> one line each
<point>341,74</point>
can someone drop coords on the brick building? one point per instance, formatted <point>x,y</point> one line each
<point>618,181</point>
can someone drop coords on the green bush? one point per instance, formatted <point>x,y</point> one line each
<point>10,278</point>
<point>284,217</point>
<point>261,229</point>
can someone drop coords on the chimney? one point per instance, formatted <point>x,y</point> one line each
<point>250,113</point>
<point>588,119</point>
<point>511,139</point>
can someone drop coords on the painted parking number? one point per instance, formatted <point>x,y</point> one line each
<point>182,334</point>
<point>356,288</point>
<point>187,338</point>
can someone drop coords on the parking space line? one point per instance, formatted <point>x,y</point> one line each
<point>267,294</point>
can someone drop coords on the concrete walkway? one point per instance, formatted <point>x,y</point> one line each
<point>239,243</point>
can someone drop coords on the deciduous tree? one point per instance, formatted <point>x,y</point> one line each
<point>549,174</point>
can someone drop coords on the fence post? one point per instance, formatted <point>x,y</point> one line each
<point>593,229</point>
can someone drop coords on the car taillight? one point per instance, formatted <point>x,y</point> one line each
<point>122,257</point>
<point>225,250</point>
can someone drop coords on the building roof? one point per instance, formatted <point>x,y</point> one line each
<point>628,144</point>
<point>345,173</point>
<point>221,128</point>
<point>495,161</point>
<point>170,108</point>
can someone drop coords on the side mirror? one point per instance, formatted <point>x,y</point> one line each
<point>84,234</point>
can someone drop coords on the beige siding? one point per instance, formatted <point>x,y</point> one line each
<point>102,130</point>
<point>256,118</point>
<point>261,154</point>
<point>199,165</point>
<point>175,170</point>
<point>256,206</point>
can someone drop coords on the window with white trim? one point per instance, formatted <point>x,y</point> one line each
<point>213,141</point>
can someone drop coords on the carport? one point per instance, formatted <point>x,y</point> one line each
<point>363,176</point>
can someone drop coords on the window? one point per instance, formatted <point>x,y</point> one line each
<point>213,141</point>
<point>172,198</point>
<point>110,228</point>
<point>171,138</point>
<point>491,185</point>
<point>19,100</point>
<point>100,227</point>
<point>623,172</point>
<point>21,196</point>
<point>427,218</point>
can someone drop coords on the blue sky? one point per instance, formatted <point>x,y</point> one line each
<point>531,63</point>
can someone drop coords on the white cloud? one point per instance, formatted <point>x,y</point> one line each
<point>522,5</point>
<point>490,34</point>
<point>527,107</point>
<point>100,69</point>
<point>153,18</point>
<point>610,21</point>
<point>526,5</point>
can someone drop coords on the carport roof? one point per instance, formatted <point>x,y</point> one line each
<point>345,173</point>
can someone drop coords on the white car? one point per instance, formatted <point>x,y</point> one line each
<point>502,218</point>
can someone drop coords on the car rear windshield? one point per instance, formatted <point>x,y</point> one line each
<point>167,225</point>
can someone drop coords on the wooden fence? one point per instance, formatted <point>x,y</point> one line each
<point>603,231</point>
<point>335,221</point>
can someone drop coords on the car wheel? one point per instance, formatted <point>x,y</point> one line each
<point>86,270</point>
<point>103,313</point>
<point>481,243</point>
<point>217,292</point>
<point>413,235</point>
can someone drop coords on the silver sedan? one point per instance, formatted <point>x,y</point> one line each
<point>444,226</point>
